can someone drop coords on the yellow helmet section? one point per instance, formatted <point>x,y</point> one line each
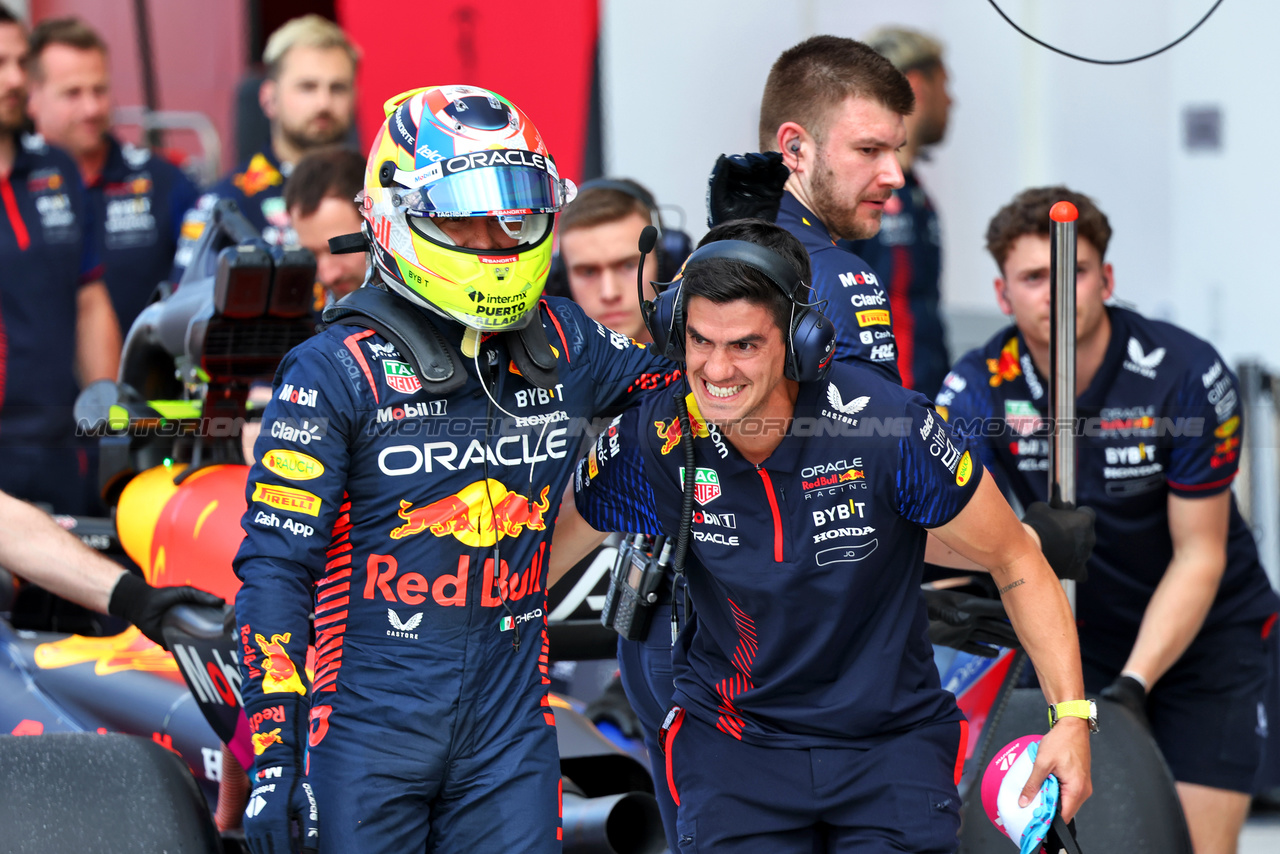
<point>450,153</point>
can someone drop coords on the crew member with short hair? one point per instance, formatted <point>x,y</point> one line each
<point>1176,611</point>
<point>809,714</point>
<point>834,108</point>
<point>320,197</point>
<point>309,99</point>
<point>58,331</point>
<point>137,197</point>
<point>907,251</point>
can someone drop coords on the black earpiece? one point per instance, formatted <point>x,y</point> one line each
<point>811,339</point>
<point>795,147</point>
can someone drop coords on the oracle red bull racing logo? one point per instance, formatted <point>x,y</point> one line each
<point>479,515</point>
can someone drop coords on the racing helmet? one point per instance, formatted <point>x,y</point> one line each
<point>448,152</point>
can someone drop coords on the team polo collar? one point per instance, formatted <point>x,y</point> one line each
<point>785,457</point>
<point>795,209</point>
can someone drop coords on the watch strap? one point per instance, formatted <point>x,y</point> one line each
<point>1072,709</point>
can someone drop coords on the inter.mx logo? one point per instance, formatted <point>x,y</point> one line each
<point>706,484</point>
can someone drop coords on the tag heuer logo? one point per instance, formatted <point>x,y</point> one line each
<point>706,485</point>
<point>401,377</point>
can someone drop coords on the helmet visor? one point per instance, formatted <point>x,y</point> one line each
<point>489,191</point>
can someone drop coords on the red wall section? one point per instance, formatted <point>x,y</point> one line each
<point>199,55</point>
<point>538,55</point>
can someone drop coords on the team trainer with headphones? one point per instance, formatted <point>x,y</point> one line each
<point>809,714</point>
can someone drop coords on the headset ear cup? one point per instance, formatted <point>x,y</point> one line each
<point>813,344</point>
<point>675,338</point>
<point>664,318</point>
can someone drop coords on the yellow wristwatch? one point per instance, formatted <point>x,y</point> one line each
<point>1086,709</point>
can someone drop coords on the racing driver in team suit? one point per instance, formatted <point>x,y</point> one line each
<point>417,526</point>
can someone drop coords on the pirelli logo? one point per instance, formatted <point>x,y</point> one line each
<point>873,317</point>
<point>287,498</point>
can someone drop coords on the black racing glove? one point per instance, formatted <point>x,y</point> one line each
<point>968,623</point>
<point>1066,537</point>
<point>1129,693</point>
<point>281,815</point>
<point>744,186</point>
<point>135,600</point>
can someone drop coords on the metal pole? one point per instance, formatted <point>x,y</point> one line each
<point>146,68</point>
<point>1062,362</point>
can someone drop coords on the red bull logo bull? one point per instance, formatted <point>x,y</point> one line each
<point>669,432</point>
<point>479,515</point>
<point>280,674</point>
<point>263,740</point>
<point>1005,368</point>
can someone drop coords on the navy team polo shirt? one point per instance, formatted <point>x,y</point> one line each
<point>855,297</point>
<point>46,254</point>
<point>1161,417</point>
<point>907,256</point>
<point>258,190</point>
<point>138,203</point>
<point>805,571</point>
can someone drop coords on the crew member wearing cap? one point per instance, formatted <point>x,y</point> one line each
<point>907,251</point>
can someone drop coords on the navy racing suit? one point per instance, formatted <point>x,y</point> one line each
<point>417,529</point>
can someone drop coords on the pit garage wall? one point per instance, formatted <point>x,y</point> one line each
<point>539,55</point>
<point>1194,230</point>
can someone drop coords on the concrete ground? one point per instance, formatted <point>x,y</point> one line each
<point>1261,835</point>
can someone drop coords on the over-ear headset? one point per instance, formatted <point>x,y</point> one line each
<point>810,340</point>
<point>673,245</point>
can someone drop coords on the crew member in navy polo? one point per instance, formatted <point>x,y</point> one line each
<point>809,715</point>
<point>309,98</point>
<point>1176,610</point>
<point>839,146</point>
<point>907,253</point>
<point>57,328</point>
<point>138,199</point>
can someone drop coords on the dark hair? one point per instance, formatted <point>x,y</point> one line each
<point>1028,213</point>
<point>722,280</point>
<point>809,80</point>
<point>332,172</point>
<point>7,17</point>
<point>599,205</point>
<point>68,32</point>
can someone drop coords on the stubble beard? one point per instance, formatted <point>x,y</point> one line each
<point>303,140</point>
<point>840,218</point>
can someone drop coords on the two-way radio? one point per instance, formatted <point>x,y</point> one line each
<point>635,584</point>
